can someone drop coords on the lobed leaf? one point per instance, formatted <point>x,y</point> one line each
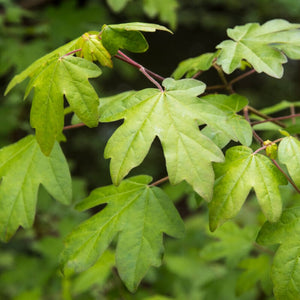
<point>63,76</point>
<point>265,46</point>
<point>173,116</point>
<point>139,214</point>
<point>23,167</point>
<point>289,154</point>
<point>286,267</point>
<point>241,171</point>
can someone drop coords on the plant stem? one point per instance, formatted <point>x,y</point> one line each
<point>286,176</point>
<point>68,127</point>
<point>142,69</point>
<point>223,78</point>
<point>70,53</point>
<point>259,149</point>
<point>216,87</point>
<point>135,64</point>
<point>197,74</point>
<point>266,117</point>
<point>256,136</point>
<point>263,249</point>
<point>292,116</point>
<point>242,76</point>
<point>162,180</point>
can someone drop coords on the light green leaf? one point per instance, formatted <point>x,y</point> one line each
<point>286,267</point>
<point>23,167</point>
<point>63,76</point>
<point>96,275</point>
<point>241,171</point>
<point>166,10</point>
<point>263,46</point>
<point>279,106</point>
<point>138,214</point>
<point>139,26</point>
<point>40,63</point>
<point>117,5</point>
<point>191,66</point>
<point>289,154</point>
<point>92,49</point>
<point>257,269</point>
<point>173,116</point>
<point>240,128</point>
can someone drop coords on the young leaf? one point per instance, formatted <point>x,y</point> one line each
<point>241,171</point>
<point>191,66</point>
<point>63,76</point>
<point>92,49</point>
<point>127,36</point>
<point>138,214</point>
<point>263,46</point>
<point>40,63</point>
<point>23,167</point>
<point>286,267</point>
<point>173,116</point>
<point>289,154</point>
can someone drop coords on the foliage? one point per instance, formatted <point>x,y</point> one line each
<point>195,126</point>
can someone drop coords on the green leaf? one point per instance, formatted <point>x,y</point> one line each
<point>192,66</point>
<point>233,244</point>
<point>139,214</point>
<point>241,171</point>
<point>240,128</point>
<point>63,76</point>
<point>173,116</point>
<point>257,269</point>
<point>127,36</point>
<point>92,49</point>
<point>23,167</point>
<point>40,63</point>
<point>263,46</point>
<point>166,10</point>
<point>289,154</point>
<point>286,267</point>
<point>117,5</point>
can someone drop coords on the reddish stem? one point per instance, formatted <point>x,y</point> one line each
<point>162,180</point>
<point>70,53</point>
<point>276,119</point>
<point>68,127</point>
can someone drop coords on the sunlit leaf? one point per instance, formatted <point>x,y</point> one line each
<point>23,167</point>
<point>263,46</point>
<point>241,171</point>
<point>138,214</point>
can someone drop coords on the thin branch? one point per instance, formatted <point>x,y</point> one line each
<point>256,136</point>
<point>216,87</point>
<point>223,78</point>
<point>122,56</point>
<point>241,77</point>
<point>293,112</point>
<point>158,182</point>
<point>264,116</point>
<point>71,52</point>
<point>197,74</point>
<point>68,127</point>
<point>263,249</point>
<point>142,69</point>
<point>286,176</point>
<point>259,149</point>
<point>292,116</point>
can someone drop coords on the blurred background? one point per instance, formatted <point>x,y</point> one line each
<point>31,28</point>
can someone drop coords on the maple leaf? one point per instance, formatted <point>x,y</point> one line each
<point>265,46</point>
<point>173,116</point>
<point>92,49</point>
<point>139,214</point>
<point>23,167</point>
<point>286,267</point>
<point>62,76</point>
<point>241,171</point>
<point>289,154</point>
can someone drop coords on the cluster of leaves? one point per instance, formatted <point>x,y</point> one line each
<point>137,212</point>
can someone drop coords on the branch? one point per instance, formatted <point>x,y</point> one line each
<point>266,117</point>
<point>223,78</point>
<point>70,53</point>
<point>286,176</point>
<point>135,64</point>
<point>292,116</point>
<point>242,76</point>
<point>68,127</point>
<point>162,180</point>
<point>246,115</point>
